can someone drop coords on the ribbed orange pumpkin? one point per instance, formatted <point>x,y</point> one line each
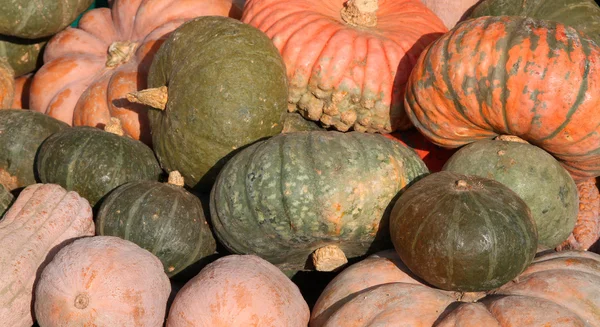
<point>347,62</point>
<point>537,80</point>
<point>89,70</point>
<point>21,95</point>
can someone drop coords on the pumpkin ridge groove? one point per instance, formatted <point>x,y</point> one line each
<point>28,12</point>
<point>132,210</point>
<point>73,161</point>
<point>500,73</point>
<point>492,255</point>
<point>297,34</point>
<point>424,222</point>
<point>480,98</point>
<point>38,209</point>
<point>446,75</point>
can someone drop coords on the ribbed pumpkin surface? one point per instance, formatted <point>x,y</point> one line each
<point>24,56</point>
<point>285,197</point>
<point>6,199</point>
<point>510,75</point>
<point>587,228</point>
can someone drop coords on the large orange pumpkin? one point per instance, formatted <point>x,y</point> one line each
<point>89,70</point>
<point>347,61</point>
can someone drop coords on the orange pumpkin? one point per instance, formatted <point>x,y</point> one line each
<point>7,85</point>
<point>21,95</point>
<point>89,70</point>
<point>347,61</point>
<point>587,228</point>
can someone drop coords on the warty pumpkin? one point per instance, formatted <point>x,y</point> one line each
<point>587,228</point>
<point>516,76</point>
<point>347,61</point>
<point>40,222</point>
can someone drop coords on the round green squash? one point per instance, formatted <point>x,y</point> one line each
<point>463,233</point>
<point>21,134</point>
<point>6,199</point>
<point>162,218</point>
<point>93,162</point>
<point>227,88</point>
<point>23,55</point>
<point>315,191</point>
<point>533,174</point>
<point>34,19</point>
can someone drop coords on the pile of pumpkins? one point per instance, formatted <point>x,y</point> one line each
<point>182,162</point>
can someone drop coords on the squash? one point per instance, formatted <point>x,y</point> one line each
<point>6,199</point>
<point>231,93</point>
<point>21,95</point>
<point>93,162</point>
<point>492,76</point>
<point>451,11</point>
<point>7,84</point>
<point>21,134</point>
<point>347,61</point>
<point>88,70</point>
<point>41,221</point>
<point>162,218</point>
<point>315,196</point>
<point>463,232</point>
<point>432,155</point>
<point>102,281</point>
<point>532,173</point>
<point>24,56</point>
<point>557,289</point>
<point>587,228</point>
<point>239,290</point>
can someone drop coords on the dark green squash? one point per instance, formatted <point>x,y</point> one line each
<point>323,192</point>
<point>23,55</point>
<point>227,88</point>
<point>21,133</point>
<point>533,174</point>
<point>6,199</point>
<point>162,218</point>
<point>463,233</point>
<point>93,162</point>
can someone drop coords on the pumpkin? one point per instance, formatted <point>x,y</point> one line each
<point>7,84</point>
<point>432,155</point>
<point>162,218</point>
<point>463,232</point>
<point>587,228</point>
<point>347,61</point>
<point>533,174</point>
<point>316,196</point>
<point>102,281</point>
<point>24,56</point>
<point>93,162</point>
<point>6,198</point>
<point>21,134</point>
<point>451,11</point>
<point>557,289</point>
<point>516,76</point>
<point>239,290</point>
<point>21,95</point>
<point>231,93</point>
<point>88,70</point>
<point>41,221</point>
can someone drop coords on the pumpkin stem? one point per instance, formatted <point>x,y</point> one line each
<point>114,126</point>
<point>328,258</point>
<point>510,138</point>
<point>82,300</point>
<point>176,179</point>
<point>120,53</point>
<point>154,97</point>
<point>360,13</point>
<point>461,184</point>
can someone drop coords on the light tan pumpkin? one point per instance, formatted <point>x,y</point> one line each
<point>102,281</point>
<point>43,218</point>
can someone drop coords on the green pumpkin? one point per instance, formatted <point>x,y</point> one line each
<point>21,134</point>
<point>583,15</point>
<point>23,55</point>
<point>34,19</point>
<point>533,174</point>
<point>93,162</point>
<point>227,88</point>
<point>463,233</point>
<point>6,199</point>
<point>162,218</point>
<point>324,192</point>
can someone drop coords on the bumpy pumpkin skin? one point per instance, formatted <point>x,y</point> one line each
<point>533,174</point>
<point>40,222</point>
<point>587,228</point>
<point>493,75</point>
<point>162,218</point>
<point>94,162</point>
<point>239,290</point>
<point>6,198</point>
<point>28,130</point>
<point>102,281</point>
<point>285,197</point>
<point>463,233</point>
<point>348,77</point>
<point>231,93</point>
<point>24,56</point>
<point>557,289</point>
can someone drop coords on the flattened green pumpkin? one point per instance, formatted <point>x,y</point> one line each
<point>324,192</point>
<point>24,56</point>
<point>6,198</point>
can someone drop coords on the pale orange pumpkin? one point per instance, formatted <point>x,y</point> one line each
<point>89,70</point>
<point>21,95</point>
<point>451,11</point>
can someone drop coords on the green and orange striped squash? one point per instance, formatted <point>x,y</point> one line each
<point>511,75</point>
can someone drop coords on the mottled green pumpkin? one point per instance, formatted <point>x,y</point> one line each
<point>162,218</point>
<point>533,174</point>
<point>304,192</point>
<point>463,233</point>
<point>93,162</point>
<point>6,198</point>
<point>23,55</point>
<point>227,88</point>
<point>21,133</point>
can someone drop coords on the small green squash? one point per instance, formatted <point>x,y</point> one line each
<point>162,218</point>
<point>533,174</point>
<point>315,192</point>
<point>6,199</point>
<point>21,133</point>
<point>23,55</point>
<point>93,162</point>
<point>463,233</point>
